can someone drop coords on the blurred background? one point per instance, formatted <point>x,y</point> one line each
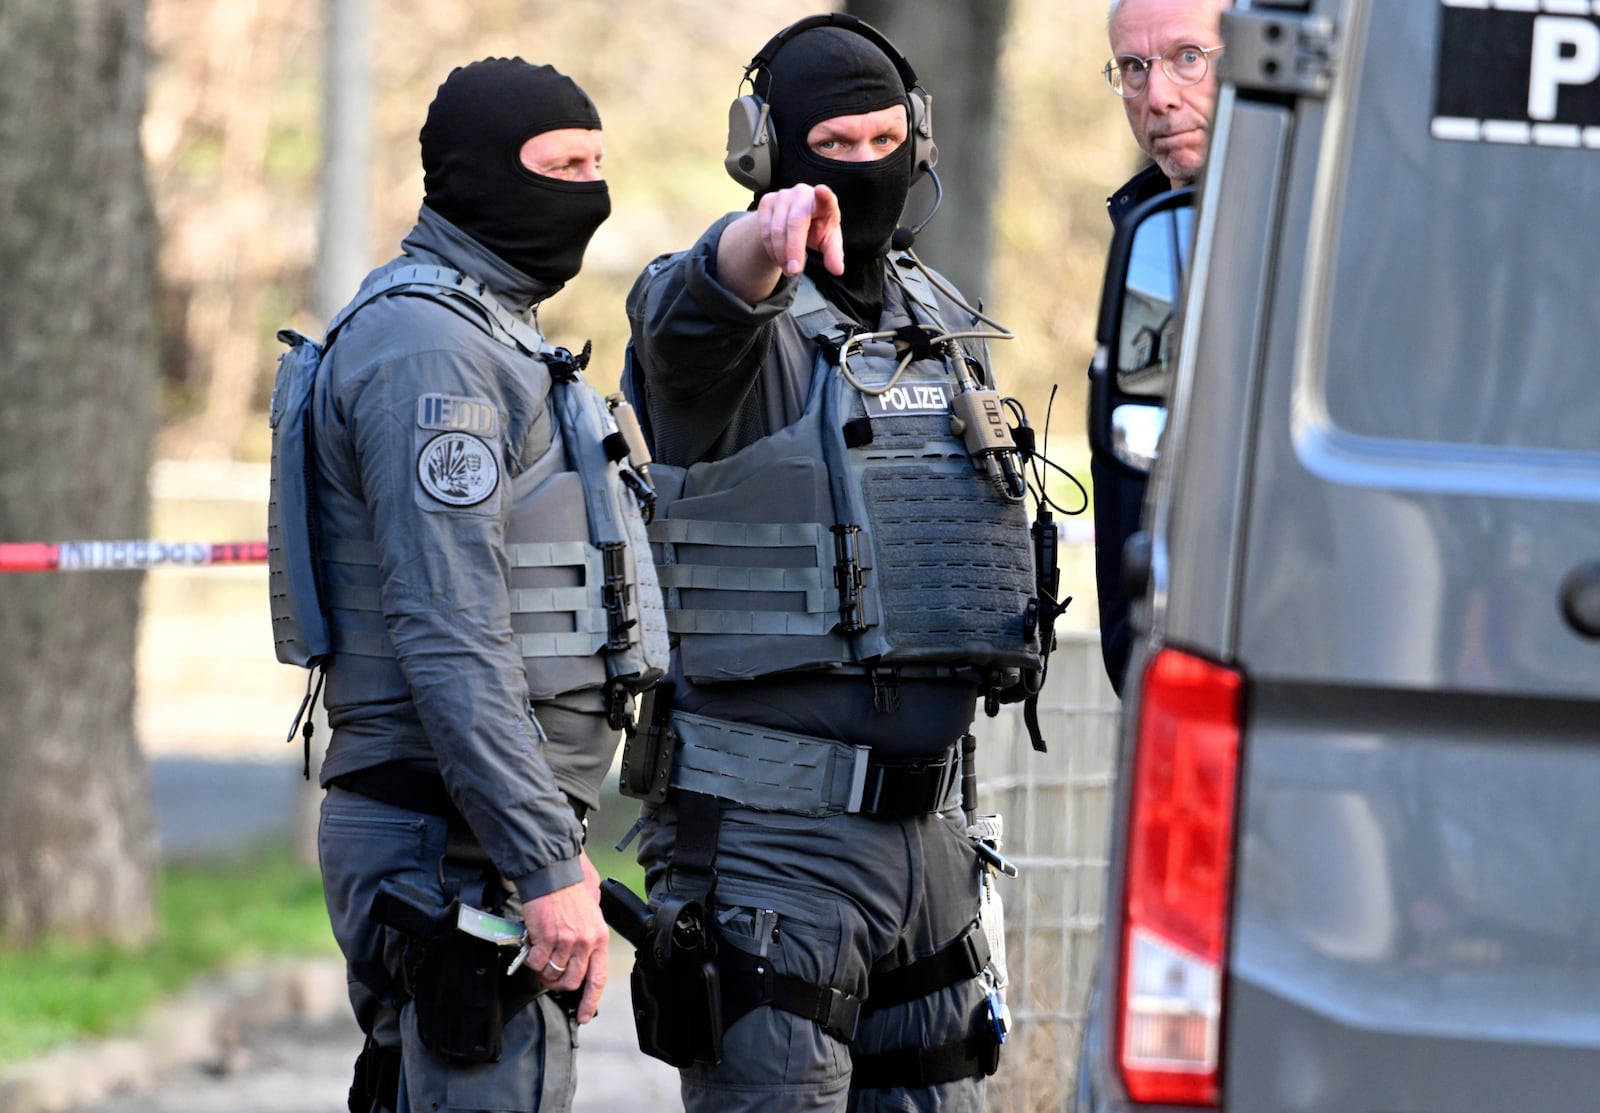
<point>233,135</point>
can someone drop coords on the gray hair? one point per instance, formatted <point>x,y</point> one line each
<point>1111,11</point>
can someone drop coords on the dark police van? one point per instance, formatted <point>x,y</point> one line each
<point>1355,857</point>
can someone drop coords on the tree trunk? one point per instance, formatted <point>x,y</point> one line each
<point>77,416</point>
<point>954,46</point>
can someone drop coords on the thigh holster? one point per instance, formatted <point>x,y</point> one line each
<point>975,1056</point>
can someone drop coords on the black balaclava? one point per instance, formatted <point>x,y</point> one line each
<point>819,74</point>
<point>473,174</point>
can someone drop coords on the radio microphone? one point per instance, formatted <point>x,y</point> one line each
<point>903,238</point>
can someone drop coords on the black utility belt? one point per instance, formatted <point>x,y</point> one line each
<point>416,788</point>
<point>780,771</point>
<point>402,784</point>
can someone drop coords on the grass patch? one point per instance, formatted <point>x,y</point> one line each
<point>211,915</point>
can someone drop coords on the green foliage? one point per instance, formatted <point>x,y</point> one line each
<point>607,828</point>
<point>212,915</point>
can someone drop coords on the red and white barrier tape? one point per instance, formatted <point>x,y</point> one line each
<point>106,556</point>
<point>109,556</point>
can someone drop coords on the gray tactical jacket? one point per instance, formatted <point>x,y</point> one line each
<point>454,692</point>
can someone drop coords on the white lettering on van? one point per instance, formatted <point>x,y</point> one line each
<point>1566,51</point>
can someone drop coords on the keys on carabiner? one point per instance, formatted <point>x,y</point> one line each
<point>999,1015</point>
<point>522,955</point>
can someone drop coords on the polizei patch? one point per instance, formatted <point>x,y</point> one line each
<point>907,399</point>
<point>1524,72</point>
<point>458,469</point>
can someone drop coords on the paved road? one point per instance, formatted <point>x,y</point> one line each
<point>304,1067</point>
<point>206,806</point>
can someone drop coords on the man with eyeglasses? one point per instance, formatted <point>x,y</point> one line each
<point>1163,66</point>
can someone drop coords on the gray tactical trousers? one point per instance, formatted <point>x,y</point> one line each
<point>361,842</point>
<point>849,893</point>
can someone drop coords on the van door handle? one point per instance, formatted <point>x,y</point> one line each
<point>1580,599</point>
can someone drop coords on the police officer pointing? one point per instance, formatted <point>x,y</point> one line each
<point>846,573</point>
<point>483,571</point>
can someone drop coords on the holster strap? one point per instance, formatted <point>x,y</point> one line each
<point>778,771</point>
<point>918,1067</point>
<point>749,982</point>
<point>960,960</point>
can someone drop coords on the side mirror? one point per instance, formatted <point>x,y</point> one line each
<point>1137,333</point>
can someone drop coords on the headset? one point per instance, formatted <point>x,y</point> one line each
<point>752,142</point>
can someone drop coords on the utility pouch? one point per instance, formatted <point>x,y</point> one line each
<point>457,995</point>
<point>646,770</point>
<point>376,1084</point>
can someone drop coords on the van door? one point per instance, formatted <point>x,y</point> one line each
<point>1416,917</point>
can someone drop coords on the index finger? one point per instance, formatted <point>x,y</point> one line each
<point>797,233</point>
<point>593,985</point>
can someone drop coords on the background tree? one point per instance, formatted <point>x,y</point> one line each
<point>77,416</point>
<point>955,47</point>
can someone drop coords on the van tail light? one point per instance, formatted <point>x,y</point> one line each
<point>1179,879</point>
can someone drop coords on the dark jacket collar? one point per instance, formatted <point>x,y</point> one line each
<point>434,240</point>
<point>1144,185</point>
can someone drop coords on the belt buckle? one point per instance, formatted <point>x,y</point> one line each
<point>914,788</point>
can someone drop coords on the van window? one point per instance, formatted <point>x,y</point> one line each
<point>1455,316</point>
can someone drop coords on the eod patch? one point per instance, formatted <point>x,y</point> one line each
<point>1518,71</point>
<point>458,469</point>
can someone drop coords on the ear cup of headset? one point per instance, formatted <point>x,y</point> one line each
<point>924,151</point>
<point>751,144</point>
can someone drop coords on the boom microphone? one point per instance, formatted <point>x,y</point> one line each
<point>903,238</point>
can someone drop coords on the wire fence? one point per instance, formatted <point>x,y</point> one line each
<point>1057,808</point>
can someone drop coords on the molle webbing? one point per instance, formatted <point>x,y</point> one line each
<point>899,553</point>
<point>361,632</point>
<point>980,545</point>
<point>779,771</point>
<point>816,614</point>
<point>583,603</point>
<point>354,599</point>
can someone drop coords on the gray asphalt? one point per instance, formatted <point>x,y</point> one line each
<point>206,807</point>
<point>303,1063</point>
<point>303,1066</point>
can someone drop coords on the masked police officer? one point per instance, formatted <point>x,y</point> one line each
<point>847,571</point>
<point>481,619</point>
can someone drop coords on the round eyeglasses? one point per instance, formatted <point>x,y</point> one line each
<point>1183,63</point>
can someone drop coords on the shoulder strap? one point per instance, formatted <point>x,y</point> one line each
<point>819,322</point>
<point>814,315</point>
<point>916,285</point>
<point>420,278</point>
